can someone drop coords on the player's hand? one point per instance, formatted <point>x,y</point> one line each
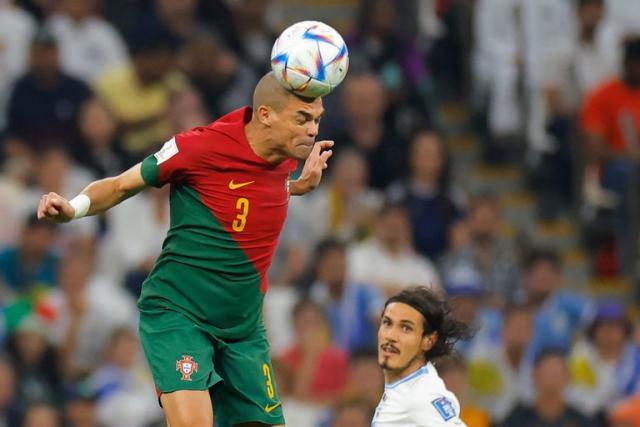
<point>56,208</point>
<point>313,167</point>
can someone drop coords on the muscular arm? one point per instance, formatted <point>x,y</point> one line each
<point>104,194</point>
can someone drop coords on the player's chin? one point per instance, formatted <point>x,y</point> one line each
<point>302,151</point>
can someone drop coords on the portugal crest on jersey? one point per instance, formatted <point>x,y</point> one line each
<point>187,367</point>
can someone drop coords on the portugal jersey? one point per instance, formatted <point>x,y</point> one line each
<point>228,206</point>
<point>418,400</point>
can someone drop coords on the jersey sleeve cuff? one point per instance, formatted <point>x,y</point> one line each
<point>151,171</point>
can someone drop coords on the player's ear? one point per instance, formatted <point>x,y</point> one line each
<point>428,341</point>
<point>265,115</point>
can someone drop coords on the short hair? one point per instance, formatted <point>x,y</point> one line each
<point>583,3</point>
<point>438,318</point>
<point>548,353</point>
<point>541,255</point>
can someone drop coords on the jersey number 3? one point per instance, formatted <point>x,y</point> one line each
<point>242,205</point>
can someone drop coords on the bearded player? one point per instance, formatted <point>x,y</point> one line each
<point>201,321</point>
<point>416,328</point>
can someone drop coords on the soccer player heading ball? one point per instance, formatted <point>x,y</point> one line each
<point>201,321</point>
<point>416,328</point>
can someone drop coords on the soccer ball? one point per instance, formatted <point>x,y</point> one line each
<point>310,59</point>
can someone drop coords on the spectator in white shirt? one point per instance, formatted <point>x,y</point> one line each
<point>387,260</point>
<point>89,45</point>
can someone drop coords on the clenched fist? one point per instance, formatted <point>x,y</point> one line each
<point>56,208</point>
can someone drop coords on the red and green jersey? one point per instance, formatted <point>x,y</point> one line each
<point>228,206</point>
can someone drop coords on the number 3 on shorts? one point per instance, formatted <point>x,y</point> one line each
<point>267,374</point>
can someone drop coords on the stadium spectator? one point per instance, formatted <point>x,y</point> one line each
<point>352,413</point>
<point>100,135</point>
<point>573,67</point>
<point>220,76</point>
<point>179,18</point>
<point>500,371</point>
<point>124,390</point>
<point>35,363</point>
<point>45,103</point>
<point>378,44</point>
<point>89,45</point>
<point>600,365</point>
<point>427,192</point>
<point>56,171</point>
<point>16,31</point>
<point>253,36</point>
<point>80,405</point>
<point>32,262</point>
<point>551,377</point>
<point>353,309</point>
<point>387,260</point>
<point>453,371</point>
<point>83,324</point>
<point>611,123</point>
<point>133,238</point>
<point>464,287</point>
<point>42,415</point>
<point>366,381</point>
<point>299,412</point>
<point>10,410</point>
<point>364,103</point>
<point>320,369</point>
<point>559,315</point>
<point>481,246</point>
<point>139,93</point>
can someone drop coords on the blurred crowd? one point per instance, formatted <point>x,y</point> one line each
<point>551,87</point>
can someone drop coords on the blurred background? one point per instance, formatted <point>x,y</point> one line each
<point>486,148</point>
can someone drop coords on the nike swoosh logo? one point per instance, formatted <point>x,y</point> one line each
<point>235,186</point>
<point>269,408</point>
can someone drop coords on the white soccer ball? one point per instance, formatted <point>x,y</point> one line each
<point>310,59</point>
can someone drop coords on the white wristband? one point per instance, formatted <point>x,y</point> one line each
<point>81,204</point>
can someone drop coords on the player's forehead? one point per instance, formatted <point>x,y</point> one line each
<point>314,108</point>
<point>401,312</point>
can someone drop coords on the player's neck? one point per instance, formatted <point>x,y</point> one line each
<point>262,144</point>
<point>392,376</point>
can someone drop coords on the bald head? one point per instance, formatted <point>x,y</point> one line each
<point>271,93</point>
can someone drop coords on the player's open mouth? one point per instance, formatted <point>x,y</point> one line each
<point>389,349</point>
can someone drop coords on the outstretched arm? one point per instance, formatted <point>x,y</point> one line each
<point>98,197</point>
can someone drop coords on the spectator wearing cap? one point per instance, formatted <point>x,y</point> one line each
<point>601,364</point>
<point>44,104</point>
<point>500,372</point>
<point>559,315</point>
<point>139,93</point>
<point>89,45</point>
<point>464,288</point>
<point>32,261</point>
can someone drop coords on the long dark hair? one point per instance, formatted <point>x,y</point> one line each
<point>438,318</point>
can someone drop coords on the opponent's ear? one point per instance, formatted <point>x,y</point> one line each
<point>428,341</point>
<point>265,115</point>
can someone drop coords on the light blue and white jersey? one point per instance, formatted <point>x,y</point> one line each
<point>418,400</point>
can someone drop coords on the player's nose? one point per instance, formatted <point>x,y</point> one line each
<point>313,129</point>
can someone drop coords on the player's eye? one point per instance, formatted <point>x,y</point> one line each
<point>406,328</point>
